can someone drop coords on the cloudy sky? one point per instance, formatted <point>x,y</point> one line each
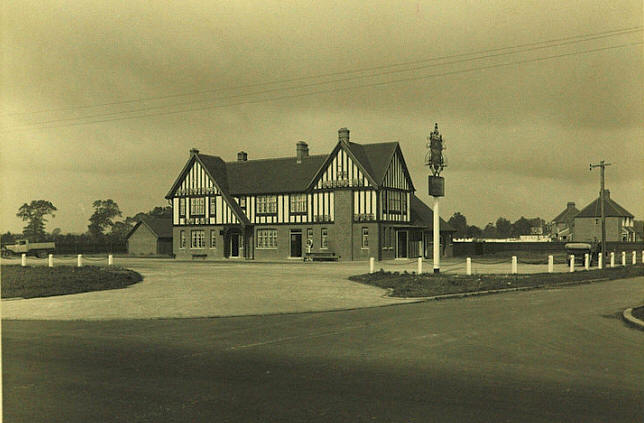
<point>104,99</point>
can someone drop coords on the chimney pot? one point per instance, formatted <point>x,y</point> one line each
<point>607,194</point>
<point>571,204</point>
<point>194,151</point>
<point>242,156</point>
<point>343,135</point>
<point>302,151</point>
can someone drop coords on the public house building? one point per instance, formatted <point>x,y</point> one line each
<point>351,204</point>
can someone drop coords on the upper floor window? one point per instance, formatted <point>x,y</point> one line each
<point>182,206</point>
<point>197,206</point>
<point>298,203</point>
<point>212,210</point>
<point>266,204</point>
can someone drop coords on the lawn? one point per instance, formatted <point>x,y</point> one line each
<point>429,284</point>
<point>41,281</point>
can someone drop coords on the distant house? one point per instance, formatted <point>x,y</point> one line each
<point>151,236</point>
<point>562,226</point>
<point>619,222</point>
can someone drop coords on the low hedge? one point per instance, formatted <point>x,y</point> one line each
<point>41,281</point>
<point>429,284</point>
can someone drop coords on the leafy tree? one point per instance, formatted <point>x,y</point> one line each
<point>104,212</point>
<point>489,231</point>
<point>474,232</point>
<point>120,230</point>
<point>161,211</point>
<point>503,227</point>
<point>35,213</point>
<point>459,222</point>
<point>521,227</point>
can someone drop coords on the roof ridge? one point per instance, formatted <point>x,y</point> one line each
<point>273,158</point>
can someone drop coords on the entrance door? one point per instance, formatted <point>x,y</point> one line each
<point>296,244</point>
<point>402,244</point>
<point>234,245</point>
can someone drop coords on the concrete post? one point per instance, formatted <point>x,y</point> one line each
<point>600,261</point>
<point>110,260</point>
<point>468,266</point>
<point>551,264</point>
<point>572,263</point>
<point>420,265</point>
<point>634,257</point>
<point>514,264</point>
<point>612,259</point>
<point>623,258</point>
<point>23,259</point>
<point>51,260</point>
<point>587,261</point>
<point>372,264</point>
<point>79,260</point>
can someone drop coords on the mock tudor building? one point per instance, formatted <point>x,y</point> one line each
<point>351,204</point>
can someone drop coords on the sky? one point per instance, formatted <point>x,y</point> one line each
<point>104,99</point>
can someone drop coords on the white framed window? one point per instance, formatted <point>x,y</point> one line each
<point>197,206</point>
<point>182,239</point>
<point>213,238</point>
<point>182,206</point>
<point>197,239</point>
<point>365,238</point>
<point>297,203</point>
<point>266,238</point>
<point>266,204</point>
<point>324,238</point>
<point>212,210</point>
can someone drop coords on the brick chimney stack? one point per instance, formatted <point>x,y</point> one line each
<point>343,135</point>
<point>194,151</point>
<point>571,205</point>
<point>242,156</point>
<point>302,151</point>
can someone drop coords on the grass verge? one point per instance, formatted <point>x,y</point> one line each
<point>41,281</point>
<point>429,284</point>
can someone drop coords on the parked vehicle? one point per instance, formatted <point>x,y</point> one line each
<point>38,249</point>
<point>580,249</point>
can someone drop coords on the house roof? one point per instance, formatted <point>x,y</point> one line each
<point>422,215</point>
<point>611,209</point>
<point>567,215</point>
<point>160,226</point>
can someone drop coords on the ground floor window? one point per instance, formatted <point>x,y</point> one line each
<point>197,239</point>
<point>365,237</point>
<point>213,238</point>
<point>324,238</point>
<point>267,238</point>
<point>182,239</point>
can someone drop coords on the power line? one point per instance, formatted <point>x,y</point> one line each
<point>615,32</point>
<point>309,85</point>
<point>498,65</point>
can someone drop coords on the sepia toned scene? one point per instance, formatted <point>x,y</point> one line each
<point>264,211</point>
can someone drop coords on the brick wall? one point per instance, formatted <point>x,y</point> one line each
<point>142,242</point>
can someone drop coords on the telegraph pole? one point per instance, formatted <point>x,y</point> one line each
<point>602,165</point>
<point>436,185</point>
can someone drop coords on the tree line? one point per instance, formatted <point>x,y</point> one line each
<point>502,228</point>
<point>103,232</point>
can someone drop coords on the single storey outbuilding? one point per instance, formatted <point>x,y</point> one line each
<point>151,236</point>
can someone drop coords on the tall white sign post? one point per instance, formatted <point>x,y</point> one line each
<point>436,185</point>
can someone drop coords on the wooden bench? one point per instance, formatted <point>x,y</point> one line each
<point>321,256</point>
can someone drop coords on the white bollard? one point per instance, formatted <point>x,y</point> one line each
<point>600,261</point>
<point>51,260</point>
<point>551,264</point>
<point>572,263</point>
<point>634,257</point>
<point>110,260</point>
<point>468,266</point>
<point>372,264</point>
<point>623,258</point>
<point>420,265</point>
<point>23,260</point>
<point>642,257</point>
<point>79,260</point>
<point>587,261</point>
<point>514,264</point>
<point>612,259</point>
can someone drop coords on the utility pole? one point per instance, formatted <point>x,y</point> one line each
<point>602,165</point>
<point>436,185</point>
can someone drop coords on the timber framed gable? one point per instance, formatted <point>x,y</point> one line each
<point>342,169</point>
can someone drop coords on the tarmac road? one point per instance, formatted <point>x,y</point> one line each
<point>556,355</point>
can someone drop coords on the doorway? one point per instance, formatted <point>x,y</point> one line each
<point>401,247</point>
<point>234,245</point>
<point>296,243</point>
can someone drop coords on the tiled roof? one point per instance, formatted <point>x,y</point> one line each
<point>161,226</point>
<point>422,215</point>
<point>611,209</point>
<point>567,215</point>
